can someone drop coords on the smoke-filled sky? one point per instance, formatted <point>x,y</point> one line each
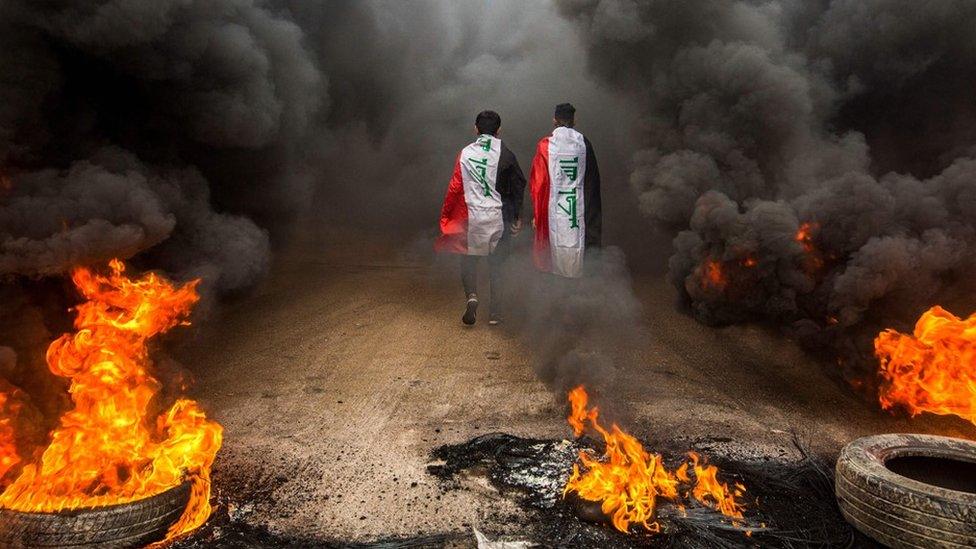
<point>816,159</point>
<point>186,131</point>
<point>422,70</point>
<point>187,135</point>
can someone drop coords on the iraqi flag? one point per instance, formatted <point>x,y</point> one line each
<point>558,172</point>
<point>471,219</point>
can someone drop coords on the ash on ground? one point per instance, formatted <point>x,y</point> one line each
<point>790,502</point>
<point>237,496</point>
<point>240,494</point>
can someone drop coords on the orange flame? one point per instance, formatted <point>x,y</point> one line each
<point>713,275</point>
<point>813,260</point>
<point>109,449</point>
<point>708,489</point>
<point>10,406</point>
<point>628,480</point>
<point>931,370</point>
<point>578,414</point>
<point>804,235</point>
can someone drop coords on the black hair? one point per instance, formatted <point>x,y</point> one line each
<point>488,122</point>
<point>565,114</point>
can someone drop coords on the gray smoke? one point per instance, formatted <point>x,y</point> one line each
<point>851,120</point>
<point>125,124</point>
<point>574,326</point>
<point>261,110</point>
<point>185,135</point>
<point>413,83</point>
<point>418,76</point>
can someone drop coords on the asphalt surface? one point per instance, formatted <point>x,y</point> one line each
<point>338,375</point>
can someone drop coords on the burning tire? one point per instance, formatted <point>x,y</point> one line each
<point>133,524</point>
<point>910,490</point>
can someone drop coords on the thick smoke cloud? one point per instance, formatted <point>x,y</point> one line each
<point>814,158</point>
<point>125,123</point>
<point>180,133</point>
<point>412,84</point>
<point>574,326</point>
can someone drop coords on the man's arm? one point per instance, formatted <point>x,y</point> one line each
<point>592,202</point>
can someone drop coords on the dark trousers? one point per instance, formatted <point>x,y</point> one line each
<point>469,273</point>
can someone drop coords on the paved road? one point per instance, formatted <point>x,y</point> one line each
<point>336,377</point>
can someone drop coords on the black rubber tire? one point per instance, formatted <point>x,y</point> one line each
<point>898,511</point>
<point>133,524</point>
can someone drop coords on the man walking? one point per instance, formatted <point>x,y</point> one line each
<point>565,186</point>
<point>482,212</point>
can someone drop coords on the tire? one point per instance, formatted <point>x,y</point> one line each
<point>898,511</point>
<point>133,524</point>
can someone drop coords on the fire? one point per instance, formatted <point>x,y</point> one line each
<point>629,480</point>
<point>813,260</point>
<point>110,448</point>
<point>10,406</point>
<point>712,275</point>
<point>804,235</point>
<point>578,414</point>
<point>933,369</point>
<point>708,489</point>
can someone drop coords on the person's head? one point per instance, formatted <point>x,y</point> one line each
<point>565,115</point>
<point>487,122</point>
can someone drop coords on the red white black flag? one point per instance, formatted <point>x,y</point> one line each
<point>471,219</point>
<point>558,171</point>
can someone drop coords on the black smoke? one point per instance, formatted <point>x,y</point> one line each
<point>162,126</point>
<point>413,77</point>
<point>189,136</point>
<point>574,327</point>
<point>815,160</point>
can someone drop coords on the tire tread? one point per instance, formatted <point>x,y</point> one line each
<point>126,525</point>
<point>901,512</point>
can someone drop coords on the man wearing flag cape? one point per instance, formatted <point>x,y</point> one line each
<point>565,186</point>
<point>482,212</point>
